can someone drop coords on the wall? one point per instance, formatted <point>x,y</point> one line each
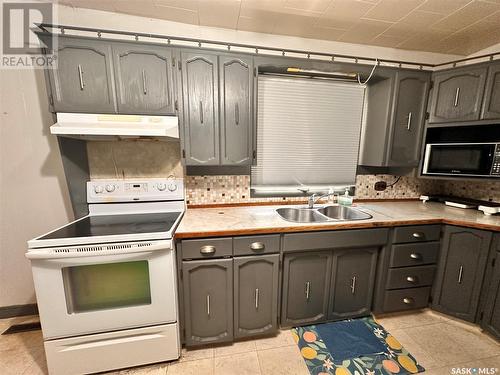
<point>33,194</point>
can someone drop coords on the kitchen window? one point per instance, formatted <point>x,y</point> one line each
<point>308,135</point>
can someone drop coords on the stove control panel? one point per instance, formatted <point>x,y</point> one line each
<point>135,190</point>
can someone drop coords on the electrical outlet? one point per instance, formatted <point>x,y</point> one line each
<point>380,185</point>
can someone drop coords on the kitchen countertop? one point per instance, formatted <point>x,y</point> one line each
<point>244,220</point>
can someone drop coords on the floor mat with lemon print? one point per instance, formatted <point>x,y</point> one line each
<point>353,347</point>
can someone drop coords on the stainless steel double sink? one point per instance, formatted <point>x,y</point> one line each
<point>322,214</point>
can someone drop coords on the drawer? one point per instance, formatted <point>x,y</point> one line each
<point>414,254</point>
<point>207,248</point>
<point>250,245</point>
<point>410,277</point>
<point>417,233</point>
<point>406,299</point>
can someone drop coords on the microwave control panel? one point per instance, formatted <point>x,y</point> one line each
<point>495,168</point>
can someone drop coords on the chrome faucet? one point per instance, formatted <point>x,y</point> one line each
<point>316,197</point>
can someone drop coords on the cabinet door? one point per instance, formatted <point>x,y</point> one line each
<point>491,106</point>
<point>236,81</point>
<point>201,108</point>
<point>255,294</point>
<point>353,278</point>
<point>491,318</point>
<point>143,76</point>
<point>408,118</point>
<point>306,280</point>
<point>457,95</point>
<point>208,300</point>
<point>83,80</point>
<point>460,271</point>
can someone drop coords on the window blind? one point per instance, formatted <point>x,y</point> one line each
<point>308,133</point>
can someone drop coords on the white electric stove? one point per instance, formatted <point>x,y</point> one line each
<point>106,283</point>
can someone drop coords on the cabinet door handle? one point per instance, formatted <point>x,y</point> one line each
<point>256,246</point>
<point>308,290</point>
<point>256,298</point>
<point>208,304</point>
<point>415,256</point>
<point>408,301</point>
<point>353,284</point>
<point>201,111</point>
<point>412,279</point>
<point>80,77</point>
<point>457,96</point>
<point>237,114</point>
<point>408,124</point>
<point>207,249</point>
<point>418,235</point>
<point>460,274</point>
<point>144,89</point>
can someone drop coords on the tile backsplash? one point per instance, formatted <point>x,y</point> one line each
<point>143,158</point>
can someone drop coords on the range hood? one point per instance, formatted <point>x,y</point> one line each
<point>93,126</point>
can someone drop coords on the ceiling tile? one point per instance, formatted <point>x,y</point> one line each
<point>364,31</point>
<point>326,33</point>
<point>291,24</point>
<point>136,7</point>
<point>177,14</point>
<point>443,6</point>
<point>392,10</point>
<point>475,37</point>
<point>106,5</point>
<point>183,4</point>
<point>268,5</point>
<point>318,6</point>
<point>467,15</point>
<point>343,14</point>
<point>261,24</point>
<point>426,40</point>
<point>219,13</point>
<point>419,18</point>
<point>388,41</point>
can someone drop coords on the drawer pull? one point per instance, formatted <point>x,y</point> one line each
<point>353,284</point>
<point>256,298</point>
<point>408,301</point>
<point>308,290</point>
<point>256,246</point>
<point>207,249</point>
<point>416,256</point>
<point>418,235</point>
<point>208,304</point>
<point>412,279</point>
<point>460,274</point>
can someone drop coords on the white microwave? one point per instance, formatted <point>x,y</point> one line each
<point>462,160</point>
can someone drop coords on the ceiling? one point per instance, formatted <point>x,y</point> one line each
<point>458,27</point>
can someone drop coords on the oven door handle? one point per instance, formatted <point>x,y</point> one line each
<point>54,254</point>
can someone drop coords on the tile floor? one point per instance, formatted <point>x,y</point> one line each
<point>438,342</point>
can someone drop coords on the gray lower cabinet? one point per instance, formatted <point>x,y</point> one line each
<point>83,80</point>
<point>352,284</point>
<point>200,89</point>
<point>208,301</point>
<point>410,103</point>
<point>255,294</point>
<point>458,94</point>
<point>460,274</point>
<point>306,282</point>
<point>236,97</point>
<point>491,105</point>
<point>144,80</point>
<point>491,315</point>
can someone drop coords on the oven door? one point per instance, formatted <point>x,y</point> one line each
<point>461,159</point>
<point>86,293</point>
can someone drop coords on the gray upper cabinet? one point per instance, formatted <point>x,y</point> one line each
<point>236,83</point>
<point>201,108</point>
<point>457,94</point>
<point>143,76</point>
<point>491,105</point>
<point>352,283</point>
<point>410,103</point>
<point>83,80</point>
<point>208,300</point>
<point>306,281</point>
<point>460,271</point>
<point>255,294</point>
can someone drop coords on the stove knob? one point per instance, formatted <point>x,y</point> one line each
<point>161,186</point>
<point>110,188</point>
<point>172,187</point>
<point>98,189</point>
